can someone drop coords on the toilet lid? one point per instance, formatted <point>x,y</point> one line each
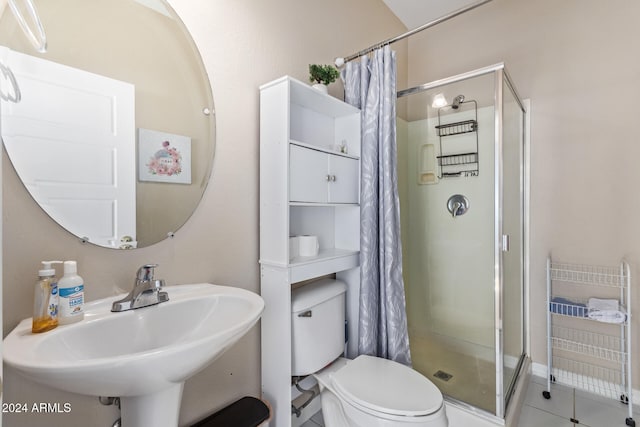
<point>385,386</point>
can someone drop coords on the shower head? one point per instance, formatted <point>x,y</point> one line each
<point>456,102</point>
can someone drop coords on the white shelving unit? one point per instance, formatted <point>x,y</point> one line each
<point>309,185</point>
<point>586,349</point>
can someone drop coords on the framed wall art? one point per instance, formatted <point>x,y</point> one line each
<point>164,157</point>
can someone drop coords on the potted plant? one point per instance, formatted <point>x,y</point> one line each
<point>322,75</point>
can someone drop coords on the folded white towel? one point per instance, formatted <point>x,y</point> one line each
<point>603,304</point>
<point>608,316</point>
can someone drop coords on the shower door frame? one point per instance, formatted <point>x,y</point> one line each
<point>502,396</point>
<point>500,77</point>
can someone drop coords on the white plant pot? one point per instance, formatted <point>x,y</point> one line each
<point>320,87</point>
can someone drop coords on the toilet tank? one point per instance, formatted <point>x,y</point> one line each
<point>317,325</point>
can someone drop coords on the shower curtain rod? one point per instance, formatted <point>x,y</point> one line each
<point>341,61</point>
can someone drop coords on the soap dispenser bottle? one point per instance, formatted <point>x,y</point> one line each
<point>71,290</point>
<point>45,299</point>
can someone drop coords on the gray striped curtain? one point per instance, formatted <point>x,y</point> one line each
<point>371,86</point>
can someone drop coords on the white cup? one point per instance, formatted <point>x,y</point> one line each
<point>308,245</point>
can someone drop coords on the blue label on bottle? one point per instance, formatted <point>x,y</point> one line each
<point>67,292</point>
<point>71,301</point>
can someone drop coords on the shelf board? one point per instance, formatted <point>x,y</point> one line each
<point>587,349</point>
<point>322,149</point>
<point>324,255</point>
<point>328,261</point>
<point>610,276</point>
<point>581,311</point>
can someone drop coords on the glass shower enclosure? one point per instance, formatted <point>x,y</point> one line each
<point>461,168</point>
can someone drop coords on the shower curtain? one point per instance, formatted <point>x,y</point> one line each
<point>371,86</point>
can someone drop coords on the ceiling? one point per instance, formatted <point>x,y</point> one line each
<point>414,13</point>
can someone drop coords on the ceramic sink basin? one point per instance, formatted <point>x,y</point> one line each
<point>138,352</point>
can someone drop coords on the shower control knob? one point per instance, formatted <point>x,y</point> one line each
<point>457,205</point>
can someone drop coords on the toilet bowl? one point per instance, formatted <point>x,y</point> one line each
<point>373,392</point>
<point>366,391</point>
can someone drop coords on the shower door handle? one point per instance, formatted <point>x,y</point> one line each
<point>505,243</point>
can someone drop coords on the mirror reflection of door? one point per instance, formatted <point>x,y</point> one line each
<point>65,110</point>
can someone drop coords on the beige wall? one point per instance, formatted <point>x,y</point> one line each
<point>575,60</point>
<point>243,43</point>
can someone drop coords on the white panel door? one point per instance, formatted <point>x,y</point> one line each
<point>71,139</point>
<point>343,186</point>
<point>308,177</point>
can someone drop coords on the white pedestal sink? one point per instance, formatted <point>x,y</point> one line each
<point>142,356</point>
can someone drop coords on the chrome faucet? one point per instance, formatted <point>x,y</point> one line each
<point>146,291</point>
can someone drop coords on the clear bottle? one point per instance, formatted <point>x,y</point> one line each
<point>71,290</point>
<point>45,299</point>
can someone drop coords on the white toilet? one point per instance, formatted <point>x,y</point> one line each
<point>364,392</point>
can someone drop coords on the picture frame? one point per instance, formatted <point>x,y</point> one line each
<point>163,157</point>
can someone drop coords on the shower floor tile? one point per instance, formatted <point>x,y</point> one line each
<point>472,377</point>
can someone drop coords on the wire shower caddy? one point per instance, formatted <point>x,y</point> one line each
<point>597,360</point>
<point>454,163</point>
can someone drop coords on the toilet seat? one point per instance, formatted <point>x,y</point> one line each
<point>382,387</point>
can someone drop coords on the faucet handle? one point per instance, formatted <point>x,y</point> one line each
<point>145,273</point>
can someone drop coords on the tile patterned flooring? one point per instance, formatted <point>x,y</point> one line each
<point>590,410</point>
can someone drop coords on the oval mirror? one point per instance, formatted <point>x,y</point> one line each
<point>111,130</point>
